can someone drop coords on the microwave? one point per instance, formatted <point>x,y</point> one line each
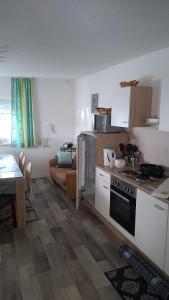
<point>102,123</point>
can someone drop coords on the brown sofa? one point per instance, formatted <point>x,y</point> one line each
<point>65,177</point>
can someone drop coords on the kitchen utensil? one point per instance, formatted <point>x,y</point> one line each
<point>120,163</point>
<point>135,149</point>
<point>152,170</point>
<point>121,146</point>
<point>133,161</point>
<point>139,156</point>
<point>129,149</point>
<point>109,156</point>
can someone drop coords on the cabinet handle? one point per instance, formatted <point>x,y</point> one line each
<point>159,207</point>
<point>101,175</point>
<point>105,187</point>
<point>119,195</point>
<point>124,122</point>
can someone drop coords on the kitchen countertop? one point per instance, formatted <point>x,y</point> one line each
<point>148,187</point>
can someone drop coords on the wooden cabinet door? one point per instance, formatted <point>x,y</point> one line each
<point>102,197</point>
<point>121,107</point>
<point>164,106</point>
<point>151,226</point>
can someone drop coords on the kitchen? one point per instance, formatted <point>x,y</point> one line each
<point>152,141</point>
<point>72,50</point>
<point>149,70</point>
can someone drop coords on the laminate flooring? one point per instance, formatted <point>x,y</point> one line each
<point>61,256</point>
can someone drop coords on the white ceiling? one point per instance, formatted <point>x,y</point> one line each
<point>72,38</point>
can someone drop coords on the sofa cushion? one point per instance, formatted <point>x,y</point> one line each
<point>59,174</point>
<point>52,162</point>
<point>64,158</point>
<point>65,177</point>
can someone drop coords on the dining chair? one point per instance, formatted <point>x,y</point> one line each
<point>20,158</point>
<point>28,172</point>
<point>29,206</point>
<point>5,201</point>
<point>22,166</point>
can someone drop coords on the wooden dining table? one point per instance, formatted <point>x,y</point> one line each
<point>10,174</point>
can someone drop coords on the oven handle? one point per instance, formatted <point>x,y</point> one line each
<point>125,199</point>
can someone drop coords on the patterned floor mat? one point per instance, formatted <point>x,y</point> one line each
<point>130,285</point>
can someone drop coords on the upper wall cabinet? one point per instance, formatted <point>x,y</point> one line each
<point>164,106</point>
<point>131,106</point>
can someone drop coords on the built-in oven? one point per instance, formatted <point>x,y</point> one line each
<point>123,204</point>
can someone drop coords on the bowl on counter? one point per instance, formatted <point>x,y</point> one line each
<point>120,163</point>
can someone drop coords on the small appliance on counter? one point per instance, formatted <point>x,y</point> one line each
<point>152,121</point>
<point>109,156</point>
<point>101,122</point>
<point>120,163</point>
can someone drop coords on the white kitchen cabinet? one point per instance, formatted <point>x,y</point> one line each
<point>151,227</point>
<point>102,192</point>
<point>166,265</point>
<point>131,106</point>
<point>102,175</point>
<point>164,106</point>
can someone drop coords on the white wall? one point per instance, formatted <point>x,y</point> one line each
<point>5,87</point>
<point>54,104</point>
<point>149,70</point>
<point>54,101</point>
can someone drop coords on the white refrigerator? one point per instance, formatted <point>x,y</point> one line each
<point>86,164</point>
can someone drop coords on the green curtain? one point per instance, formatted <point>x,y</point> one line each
<point>22,113</point>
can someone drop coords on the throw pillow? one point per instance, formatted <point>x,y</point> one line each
<point>64,159</point>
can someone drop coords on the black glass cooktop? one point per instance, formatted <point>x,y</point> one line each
<point>138,176</point>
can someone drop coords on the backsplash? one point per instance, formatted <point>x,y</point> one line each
<point>153,144</point>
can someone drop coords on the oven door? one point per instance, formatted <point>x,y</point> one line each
<point>123,209</point>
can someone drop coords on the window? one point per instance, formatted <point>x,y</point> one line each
<point>5,121</point>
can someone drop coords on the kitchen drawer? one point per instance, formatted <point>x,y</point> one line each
<point>100,174</point>
<point>102,184</point>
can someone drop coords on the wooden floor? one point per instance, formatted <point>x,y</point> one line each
<point>61,256</point>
